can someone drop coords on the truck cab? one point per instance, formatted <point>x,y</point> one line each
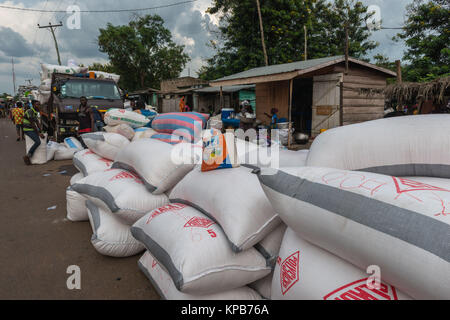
<point>60,113</point>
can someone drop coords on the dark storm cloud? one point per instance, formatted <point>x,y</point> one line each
<point>13,44</point>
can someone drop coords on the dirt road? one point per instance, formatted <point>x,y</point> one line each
<point>38,245</point>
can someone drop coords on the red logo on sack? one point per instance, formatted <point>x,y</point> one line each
<point>198,222</point>
<point>169,207</point>
<point>406,185</point>
<point>359,290</point>
<point>154,264</point>
<point>126,175</point>
<point>88,152</point>
<point>289,272</point>
<point>108,162</point>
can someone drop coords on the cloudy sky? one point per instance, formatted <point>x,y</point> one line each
<point>22,39</point>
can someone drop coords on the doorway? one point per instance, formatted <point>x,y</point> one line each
<point>302,100</point>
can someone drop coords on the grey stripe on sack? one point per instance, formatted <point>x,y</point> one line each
<point>152,281</point>
<point>419,230</point>
<point>121,165</point>
<point>234,247</point>
<point>95,217</point>
<point>99,193</point>
<point>93,136</point>
<point>80,166</point>
<point>413,170</point>
<point>270,260</point>
<point>160,254</point>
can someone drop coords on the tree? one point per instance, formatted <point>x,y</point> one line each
<point>108,67</point>
<point>427,37</point>
<point>238,46</point>
<point>142,52</point>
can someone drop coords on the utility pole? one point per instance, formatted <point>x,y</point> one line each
<point>266,59</point>
<point>399,71</point>
<point>346,48</point>
<point>51,26</point>
<point>14,75</point>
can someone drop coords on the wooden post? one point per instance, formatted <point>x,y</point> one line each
<point>221,98</point>
<point>51,26</point>
<point>266,59</point>
<point>306,42</point>
<point>346,48</point>
<point>291,85</point>
<point>399,71</point>
<point>341,104</point>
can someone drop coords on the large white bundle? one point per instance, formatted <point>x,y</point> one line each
<point>143,133</point>
<point>40,154</point>
<point>232,197</point>
<point>64,153</point>
<point>163,284</point>
<point>76,206</point>
<point>263,286</point>
<point>106,75</point>
<point>158,164</point>
<point>87,162</point>
<point>399,224</point>
<point>114,117</point>
<point>195,251</point>
<point>75,178</point>
<point>73,143</point>
<point>269,247</point>
<point>307,272</point>
<point>120,192</point>
<point>112,237</point>
<point>49,69</point>
<point>122,129</point>
<point>44,96</point>
<point>402,146</point>
<point>104,144</point>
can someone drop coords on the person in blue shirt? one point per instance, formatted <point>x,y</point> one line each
<point>273,118</point>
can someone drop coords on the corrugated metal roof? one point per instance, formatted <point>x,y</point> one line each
<point>280,68</point>
<point>225,89</point>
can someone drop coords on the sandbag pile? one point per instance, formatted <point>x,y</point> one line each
<point>340,222</point>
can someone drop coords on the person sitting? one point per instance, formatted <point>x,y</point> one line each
<point>32,129</point>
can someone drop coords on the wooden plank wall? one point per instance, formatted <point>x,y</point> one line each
<point>359,107</point>
<point>272,95</point>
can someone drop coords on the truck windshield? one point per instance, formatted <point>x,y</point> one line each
<point>90,90</point>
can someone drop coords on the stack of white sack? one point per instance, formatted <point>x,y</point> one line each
<point>87,162</point>
<point>123,129</point>
<point>251,154</point>
<point>195,252</point>
<point>398,224</point>
<point>48,70</point>
<point>106,75</point>
<point>120,199</point>
<point>104,144</point>
<point>114,117</point>
<point>160,165</point>
<point>40,154</point>
<point>163,284</point>
<point>307,272</point>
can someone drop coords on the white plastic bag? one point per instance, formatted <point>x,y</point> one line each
<point>122,129</point>
<point>64,153</point>
<point>76,206</point>
<point>143,133</point>
<point>87,162</point>
<point>115,117</point>
<point>75,178</point>
<point>40,154</point>
<point>73,143</point>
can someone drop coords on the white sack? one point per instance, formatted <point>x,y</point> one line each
<point>73,143</point>
<point>40,154</point>
<point>112,237</point>
<point>106,75</point>
<point>115,117</point>
<point>64,153</point>
<point>87,162</point>
<point>76,206</point>
<point>75,178</point>
<point>163,284</point>
<point>269,247</point>
<point>143,133</point>
<point>232,197</point>
<point>120,192</point>
<point>195,251</point>
<point>401,225</point>
<point>307,272</point>
<point>401,146</point>
<point>122,129</point>
<point>263,286</point>
<point>104,144</point>
<point>159,164</point>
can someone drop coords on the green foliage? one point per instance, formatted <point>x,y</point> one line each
<point>427,37</point>
<point>142,52</point>
<point>284,21</point>
<point>108,67</point>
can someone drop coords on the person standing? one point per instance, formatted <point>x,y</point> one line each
<point>85,117</point>
<point>17,115</point>
<point>32,129</point>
